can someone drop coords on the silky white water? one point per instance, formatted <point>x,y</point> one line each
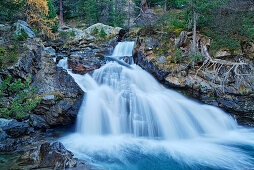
<point>129,121</point>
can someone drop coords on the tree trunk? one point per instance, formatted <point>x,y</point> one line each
<point>61,12</point>
<point>116,6</point>
<point>144,6</point>
<point>194,43</point>
<point>129,17</point>
<point>116,11</point>
<point>165,5</point>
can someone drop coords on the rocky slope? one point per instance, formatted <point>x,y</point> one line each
<point>205,79</point>
<point>60,100</point>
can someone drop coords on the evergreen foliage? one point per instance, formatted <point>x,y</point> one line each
<point>21,98</point>
<point>102,34</point>
<point>9,11</point>
<point>95,31</point>
<point>52,11</point>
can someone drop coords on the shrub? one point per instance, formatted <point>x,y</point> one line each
<point>22,36</point>
<point>22,100</point>
<point>72,33</point>
<point>102,34</point>
<point>95,31</point>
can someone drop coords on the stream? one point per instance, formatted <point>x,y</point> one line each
<point>128,120</point>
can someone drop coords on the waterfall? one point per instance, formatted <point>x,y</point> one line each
<point>127,112</point>
<point>63,63</point>
<point>123,49</point>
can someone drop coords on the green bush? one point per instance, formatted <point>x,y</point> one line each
<point>72,33</point>
<point>8,57</point>
<point>10,11</point>
<point>95,31</point>
<point>22,36</point>
<point>102,34</point>
<point>22,98</point>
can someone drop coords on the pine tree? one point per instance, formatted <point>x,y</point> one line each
<point>198,8</point>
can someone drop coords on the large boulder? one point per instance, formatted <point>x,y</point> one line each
<point>88,34</point>
<point>49,155</point>
<point>56,155</point>
<point>108,29</point>
<point>81,65</point>
<point>23,25</point>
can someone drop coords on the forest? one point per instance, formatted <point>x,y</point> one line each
<point>126,84</point>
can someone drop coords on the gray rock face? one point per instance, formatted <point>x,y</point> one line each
<point>3,135</point>
<point>38,121</point>
<point>59,93</point>
<point>23,25</point>
<point>55,86</point>
<point>50,51</point>
<point>16,129</point>
<point>4,122</point>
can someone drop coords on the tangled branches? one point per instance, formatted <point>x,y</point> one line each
<point>224,72</point>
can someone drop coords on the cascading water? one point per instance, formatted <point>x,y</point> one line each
<point>129,121</point>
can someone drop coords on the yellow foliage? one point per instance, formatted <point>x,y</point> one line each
<point>36,12</point>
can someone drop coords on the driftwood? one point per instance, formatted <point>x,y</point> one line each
<point>222,70</point>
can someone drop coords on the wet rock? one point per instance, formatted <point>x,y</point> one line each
<point>209,100</point>
<point>3,135</point>
<point>63,89</point>
<point>204,87</point>
<point>49,155</point>
<point>4,122</point>
<point>82,65</point>
<point>140,59</point>
<point>38,122</point>
<point>55,155</point>
<point>23,25</point>
<point>16,129</point>
<point>8,145</point>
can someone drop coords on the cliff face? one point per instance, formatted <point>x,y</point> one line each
<point>59,93</point>
<point>225,80</point>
